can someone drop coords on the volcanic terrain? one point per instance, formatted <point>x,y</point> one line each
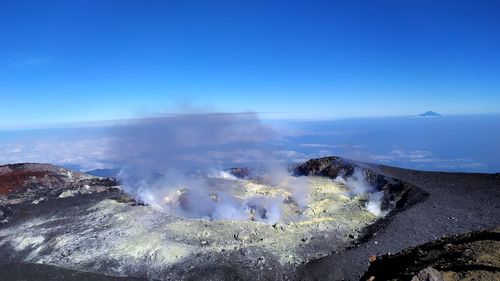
<point>57,224</point>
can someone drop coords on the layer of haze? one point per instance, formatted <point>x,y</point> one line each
<point>468,143</point>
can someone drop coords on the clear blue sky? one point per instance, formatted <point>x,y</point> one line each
<point>65,61</point>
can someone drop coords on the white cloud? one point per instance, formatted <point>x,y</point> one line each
<point>316,145</point>
<point>86,153</point>
<point>424,159</point>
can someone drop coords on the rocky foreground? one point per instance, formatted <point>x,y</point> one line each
<point>471,256</point>
<point>57,224</point>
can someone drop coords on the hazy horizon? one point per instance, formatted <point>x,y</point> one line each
<point>110,122</point>
<point>460,143</point>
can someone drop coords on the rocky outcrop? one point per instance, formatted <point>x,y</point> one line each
<point>334,166</point>
<point>29,182</point>
<point>428,274</point>
<point>471,256</point>
<point>241,173</point>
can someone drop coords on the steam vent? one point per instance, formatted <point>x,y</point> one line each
<point>52,218</point>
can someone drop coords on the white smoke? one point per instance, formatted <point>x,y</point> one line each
<point>374,204</point>
<point>170,163</point>
<point>358,185</point>
<point>222,175</point>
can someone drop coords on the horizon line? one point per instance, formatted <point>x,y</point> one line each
<point>111,122</point>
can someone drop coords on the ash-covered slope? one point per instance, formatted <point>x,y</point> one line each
<point>471,256</point>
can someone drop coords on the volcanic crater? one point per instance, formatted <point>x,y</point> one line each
<point>52,216</point>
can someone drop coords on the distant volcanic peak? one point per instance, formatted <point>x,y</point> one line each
<point>429,114</point>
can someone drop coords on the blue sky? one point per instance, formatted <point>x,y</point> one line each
<point>70,61</point>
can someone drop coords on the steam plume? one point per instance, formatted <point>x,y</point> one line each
<point>358,185</point>
<point>168,161</point>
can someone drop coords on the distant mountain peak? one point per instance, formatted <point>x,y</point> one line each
<point>429,114</point>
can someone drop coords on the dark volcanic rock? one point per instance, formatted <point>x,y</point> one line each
<point>328,166</point>
<point>241,173</point>
<point>334,166</point>
<point>471,256</point>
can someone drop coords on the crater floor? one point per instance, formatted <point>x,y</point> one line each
<point>61,220</point>
<point>104,233</point>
